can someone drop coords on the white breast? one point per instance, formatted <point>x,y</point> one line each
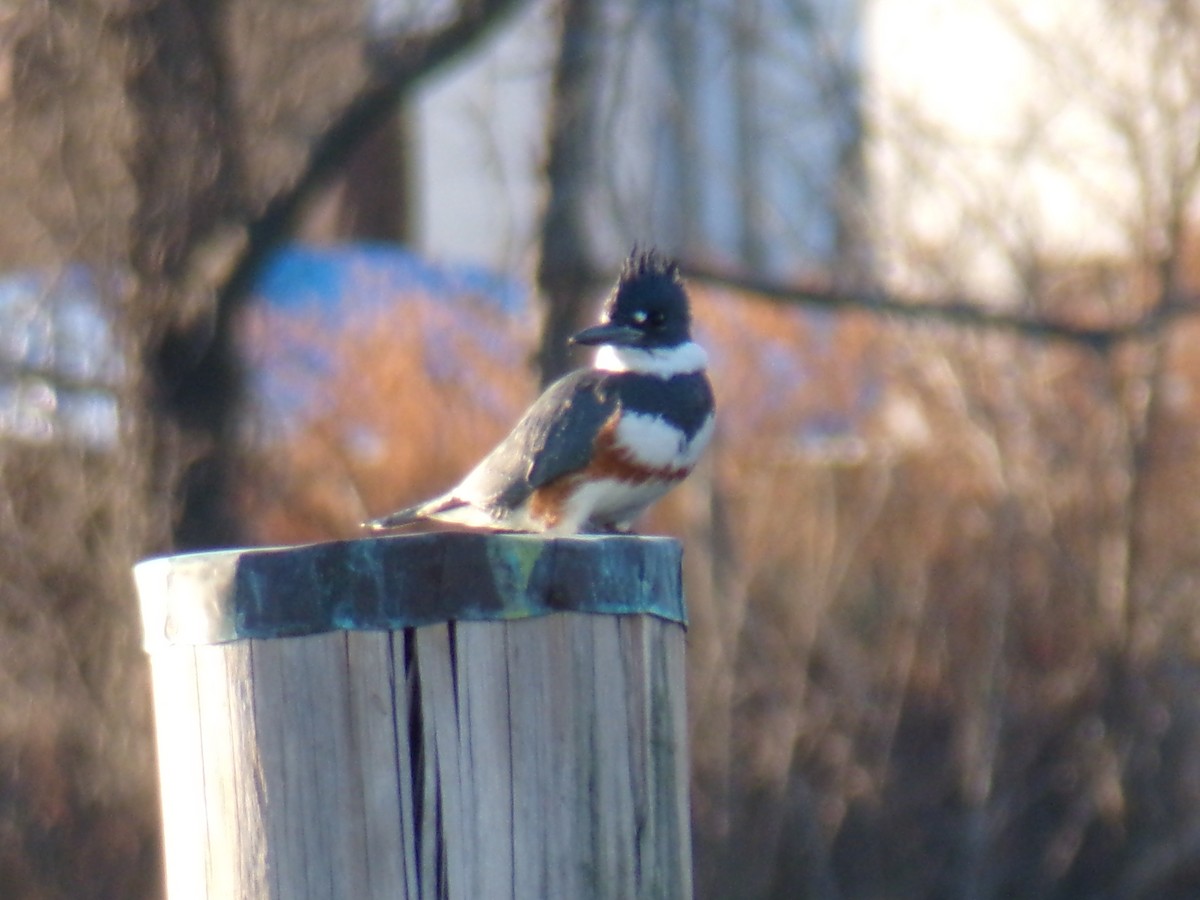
<point>657,444</point>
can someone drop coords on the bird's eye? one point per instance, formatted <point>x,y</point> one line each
<point>639,317</point>
<point>657,318</point>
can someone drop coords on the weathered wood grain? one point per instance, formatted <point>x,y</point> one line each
<point>520,758</point>
<point>378,706</point>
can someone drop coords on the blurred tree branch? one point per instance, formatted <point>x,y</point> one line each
<point>199,366</point>
<point>397,60</point>
<point>958,311</point>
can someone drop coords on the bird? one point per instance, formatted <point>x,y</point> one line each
<point>605,441</point>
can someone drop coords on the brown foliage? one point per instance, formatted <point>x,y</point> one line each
<point>940,643</point>
<point>410,398</point>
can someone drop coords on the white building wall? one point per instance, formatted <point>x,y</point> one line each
<point>1004,133</point>
<point>481,128</point>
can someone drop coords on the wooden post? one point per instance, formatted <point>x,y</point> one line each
<point>422,716</point>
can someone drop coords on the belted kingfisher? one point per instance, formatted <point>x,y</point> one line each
<point>601,443</point>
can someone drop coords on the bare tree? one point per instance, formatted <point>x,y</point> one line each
<point>160,148</point>
<point>566,273</point>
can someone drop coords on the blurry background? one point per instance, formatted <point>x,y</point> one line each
<point>268,266</point>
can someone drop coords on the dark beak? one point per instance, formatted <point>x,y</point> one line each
<point>620,335</point>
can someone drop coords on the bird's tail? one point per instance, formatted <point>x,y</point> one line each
<point>394,520</point>
<point>410,514</point>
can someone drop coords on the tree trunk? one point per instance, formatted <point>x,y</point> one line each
<point>566,273</point>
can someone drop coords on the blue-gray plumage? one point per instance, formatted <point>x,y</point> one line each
<point>600,444</point>
<point>554,437</point>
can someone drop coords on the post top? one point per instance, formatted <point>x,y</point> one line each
<point>402,581</point>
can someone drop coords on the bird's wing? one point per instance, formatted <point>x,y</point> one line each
<point>554,437</point>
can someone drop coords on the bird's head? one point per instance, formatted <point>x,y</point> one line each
<point>647,309</point>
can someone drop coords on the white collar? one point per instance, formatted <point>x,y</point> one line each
<point>664,362</point>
